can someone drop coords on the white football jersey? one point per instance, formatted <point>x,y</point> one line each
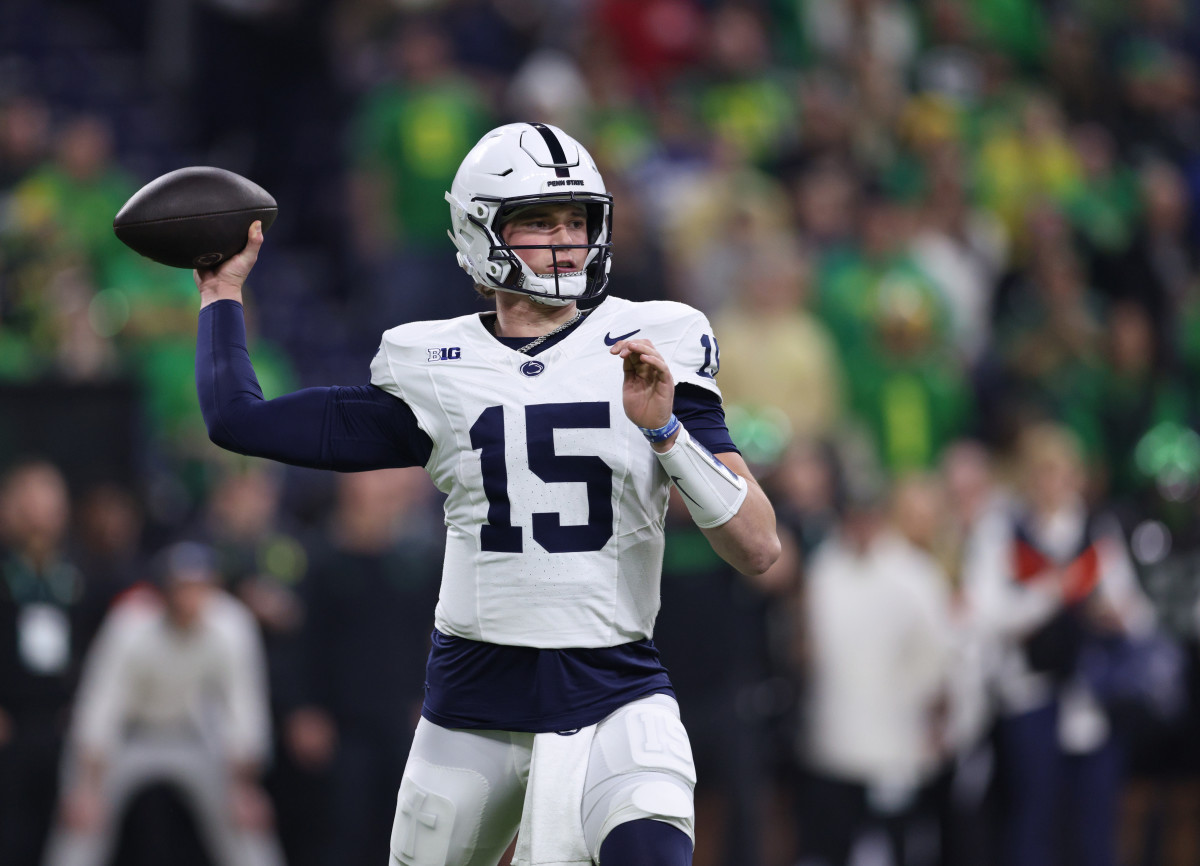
<point>555,501</point>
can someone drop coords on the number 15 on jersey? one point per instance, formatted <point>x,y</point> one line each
<point>541,420</point>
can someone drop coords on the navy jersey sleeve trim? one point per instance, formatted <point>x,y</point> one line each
<point>701,413</point>
<point>348,428</point>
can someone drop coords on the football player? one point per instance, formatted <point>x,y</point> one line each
<point>555,432</point>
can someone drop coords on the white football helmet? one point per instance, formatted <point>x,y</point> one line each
<point>515,166</point>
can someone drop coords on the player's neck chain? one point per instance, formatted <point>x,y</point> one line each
<point>533,344</point>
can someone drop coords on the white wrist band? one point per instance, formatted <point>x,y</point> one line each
<point>711,490</point>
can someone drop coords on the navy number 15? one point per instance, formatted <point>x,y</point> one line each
<point>541,420</point>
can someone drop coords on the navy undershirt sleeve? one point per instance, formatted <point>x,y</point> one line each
<point>348,428</point>
<point>700,411</point>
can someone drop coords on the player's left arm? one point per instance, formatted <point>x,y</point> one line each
<point>721,493</point>
<point>748,541</point>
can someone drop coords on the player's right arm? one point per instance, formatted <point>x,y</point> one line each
<point>348,428</point>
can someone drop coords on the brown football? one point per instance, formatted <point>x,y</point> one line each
<point>195,217</point>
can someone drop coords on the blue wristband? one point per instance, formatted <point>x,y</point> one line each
<point>661,434</point>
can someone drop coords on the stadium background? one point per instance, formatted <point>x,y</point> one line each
<point>918,227</point>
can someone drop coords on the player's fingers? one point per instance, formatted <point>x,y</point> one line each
<point>238,267</point>
<point>645,353</point>
<point>204,276</point>
<point>642,347</point>
<point>645,371</point>
<point>637,348</point>
<point>636,345</point>
<point>254,242</point>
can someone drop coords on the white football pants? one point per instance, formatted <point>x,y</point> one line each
<point>465,793</point>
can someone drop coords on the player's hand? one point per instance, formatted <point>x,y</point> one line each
<point>226,280</point>
<point>250,806</point>
<point>649,389</point>
<point>1103,616</point>
<point>83,808</point>
<point>312,737</point>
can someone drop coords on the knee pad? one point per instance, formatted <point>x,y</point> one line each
<point>438,814</point>
<point>641,767</point>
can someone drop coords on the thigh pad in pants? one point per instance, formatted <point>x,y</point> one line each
<point>641,767</point>
<point>460,799</point>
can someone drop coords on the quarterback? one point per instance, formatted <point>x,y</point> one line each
<point>555,432</point>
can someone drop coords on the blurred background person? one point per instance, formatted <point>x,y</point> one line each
<point>906,387</point>
<point>369,597</point>
<point>410,130</point>
<point>109,526</point>
<point>174,694</point>
<point>977,507</point>
<point>877,635</point>
<point>43,636</point>
<point>712,633</point>
<point>767,324</point>
<point>263,562</point>
<point>1059,577</point>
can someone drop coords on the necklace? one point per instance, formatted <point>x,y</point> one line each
<point>533,344</point>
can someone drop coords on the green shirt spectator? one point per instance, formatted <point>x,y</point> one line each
<point>755,114</point>
<point>1130,399</point>
<point>739,96</point>
<point>853,289</point>
<point>1049,335</point>
<point>1020,163</point>
<point>912,407</point>
<point>1015,27</point>
<point>408,140</point>
<point>65,208</point>
<point>1104,206</point>
<point>905,386</point>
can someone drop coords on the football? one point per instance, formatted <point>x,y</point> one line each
<point>195,217</point>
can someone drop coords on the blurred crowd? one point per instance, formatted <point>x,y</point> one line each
<point>949,250</point>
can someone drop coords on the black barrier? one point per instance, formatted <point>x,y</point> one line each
<point>90,431</point>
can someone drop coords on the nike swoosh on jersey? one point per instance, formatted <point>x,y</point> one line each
<point>612,341</point>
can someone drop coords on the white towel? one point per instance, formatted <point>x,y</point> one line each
<point>552,823</point>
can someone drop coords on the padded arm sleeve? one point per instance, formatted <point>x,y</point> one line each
<point>348,428</point>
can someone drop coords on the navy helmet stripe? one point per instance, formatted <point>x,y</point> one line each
<point>557,154</point>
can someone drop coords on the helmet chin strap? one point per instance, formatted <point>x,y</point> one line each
<point>573,285</point>
<point>550,302</point>
<point>538,299</point>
